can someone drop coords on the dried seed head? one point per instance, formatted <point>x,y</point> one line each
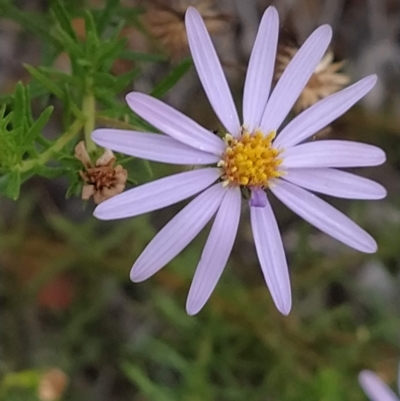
<point>52,385</point>
<point>102,181</point>
<point>165,20</point>
<point>325,80</point>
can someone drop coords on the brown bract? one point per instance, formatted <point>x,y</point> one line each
<point>325,80</point>
<point>102,180</point>
<point>165,20</point>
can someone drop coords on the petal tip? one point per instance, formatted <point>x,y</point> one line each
<point>285,307</point>
<point>323,33</point>
<point>366,373</point>
<point>271,16</point>
<point>373,78</point>
<point>191,12</point>
<point>378,155</point>
<point>272,12</point>
<point>325,29</point>
<point>369,246</point>
<point>192,309</point>
<point>132,97</point>
<point>383,193</point>
<point>372,250</point>
<point>191,9</point>
<point>382,156</point>
<point>135,275</point>
<point>97,135</point>
<point>380,192</point>
<point>365,376</point>
<point>100,214</point>
<point>369,82</point>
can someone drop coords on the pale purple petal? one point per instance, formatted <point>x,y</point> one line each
<point>258,197</point>
<point>332,153</point>
<point>175,124</point>
<point>323,113</point>
<point>260,70</point>
<point>157,147</point>
<point>398,380</point>
<point>216,251</point>
<point>210,72</point>
<point>271,255</point>
<point>335,183</point>
<point>375,388</point>
<point>178,233</point>
<point>156,194</point>
<point>323,216</point>
<point>295,78</point>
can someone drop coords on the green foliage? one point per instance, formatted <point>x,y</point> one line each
<point>21,385</point>
<point>85,91</point>
<point>138,338</point>
<point>171,79</point>
<point>120,341</point>
<point>20,136</point>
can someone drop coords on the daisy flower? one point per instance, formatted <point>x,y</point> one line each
<point>250,158</point>
<point>375,388</point>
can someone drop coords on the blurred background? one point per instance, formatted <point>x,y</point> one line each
<point>73,326</point>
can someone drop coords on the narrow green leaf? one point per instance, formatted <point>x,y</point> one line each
<point>38,90</point>
<point>10,184</point>
<point>50,85</point>
<point>104,80</point>
<point>104,18</point>
<point>147,168</point>
<point>61,16</point>
<point>139,171</point>
<point>70,44</point>
<point>36,129</point>
<point>141,125</point>
<point>19,107</point>
<point>74,190</point>
<point>126,79</point>
<point>136,21</point>
<point>171,79</point>
<point>28,109</point>
<point>8,146</point>
<point>152,390</point>
<point>2,111</point>
<point>92,42</point>
<point>59,75</point>
<point>110,51</point>
<point>35,22</point>
<point>83,62</point>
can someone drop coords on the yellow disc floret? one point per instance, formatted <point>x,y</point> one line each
<point>250,160</point>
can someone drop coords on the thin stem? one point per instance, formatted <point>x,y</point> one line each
<point>58,145</point>
<point>89,110</point>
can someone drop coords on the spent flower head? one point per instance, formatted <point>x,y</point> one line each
<point>257,156</point>
<point>102,180</point>
<point>166,22</point>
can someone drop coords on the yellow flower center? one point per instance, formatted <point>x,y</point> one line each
<point>250,160</point>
